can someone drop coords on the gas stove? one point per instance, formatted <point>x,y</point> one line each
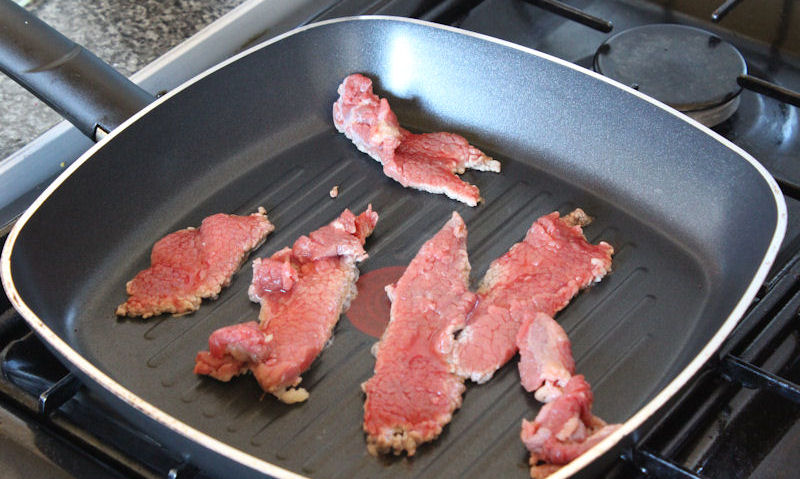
<point>739,418</point>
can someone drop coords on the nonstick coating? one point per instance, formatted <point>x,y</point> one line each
<point>692,221</point>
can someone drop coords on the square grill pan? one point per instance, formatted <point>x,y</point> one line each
<point>694,220</point>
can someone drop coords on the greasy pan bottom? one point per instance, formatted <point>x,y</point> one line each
<point>694,225</point>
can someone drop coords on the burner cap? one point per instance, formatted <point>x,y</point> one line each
<point>687,68</point>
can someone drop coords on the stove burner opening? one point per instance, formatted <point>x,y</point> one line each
<point>689,69</point>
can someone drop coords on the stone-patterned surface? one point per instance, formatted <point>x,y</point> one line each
<point>128,34</point>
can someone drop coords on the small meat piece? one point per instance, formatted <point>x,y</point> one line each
<point>334,191</point>
<point>365,119</point>
<point>231,349</point>
<point>302,292</point>
<point>545,357</point>
<point>345,236</point>
<point>427,162</point>
<point>413,392</point>
<point>275,273</point>
<point>191,264</point>
<point>539,274</point>
<point>564,429</point>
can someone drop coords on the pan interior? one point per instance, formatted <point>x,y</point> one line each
<point>689,219</point>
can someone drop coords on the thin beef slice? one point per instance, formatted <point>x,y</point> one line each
<point>413,392</point>
<point>302,291</point>
<point>564,429</point>
<point>428,162</point>
<point>194,263</point>
<point>539,274</point>
<point>545,357</point>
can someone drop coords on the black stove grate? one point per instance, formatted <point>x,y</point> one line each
<point>733,415</point>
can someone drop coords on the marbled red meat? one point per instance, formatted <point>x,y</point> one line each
<point>545,356</point>
<point>564,429</point>
<point>413,392</point>
<point>302,292</point>
<point>427,162</point>
<point>191,264</point>
<point>539,274</point>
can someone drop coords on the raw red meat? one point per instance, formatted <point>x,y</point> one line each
<point>275,273</point>
<point>232,349</point>
<point>191,264</point>
<point>539,274</point>
<point>302,292</point>
<point>366,119</point>
<point>427,162</point>
<point>345,236</point>
<point>564,429</point>
<point>413,392</point>
<point>545,356</point>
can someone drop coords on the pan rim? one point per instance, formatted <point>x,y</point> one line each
<point>261,465</point>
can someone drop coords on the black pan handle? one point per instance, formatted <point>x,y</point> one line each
<point>82,88</point>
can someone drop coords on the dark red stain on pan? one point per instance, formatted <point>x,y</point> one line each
<point>369,312</point>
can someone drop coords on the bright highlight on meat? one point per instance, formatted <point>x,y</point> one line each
<point>302,292</point>
<point>191,264</point>
<point>428,162</point>
<point>413,392</point>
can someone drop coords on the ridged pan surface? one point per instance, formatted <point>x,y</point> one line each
<point>693,222</point>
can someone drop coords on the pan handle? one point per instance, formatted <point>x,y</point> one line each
<point>82,88</point>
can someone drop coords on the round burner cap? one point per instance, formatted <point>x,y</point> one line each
<point>685,67</point>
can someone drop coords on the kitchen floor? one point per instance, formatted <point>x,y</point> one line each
<point>128,34</point>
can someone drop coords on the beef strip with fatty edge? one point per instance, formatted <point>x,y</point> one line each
<point>302,292</point>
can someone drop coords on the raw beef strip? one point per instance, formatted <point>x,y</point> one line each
<point>427,162</point>
<point>564,429</point>
<point>545,356</point>
<point>539,274</point>
<point>191,264</point>
<point>232,349</point>
<point>413,392</point>
<point>302,291</point>
<point>366,119</point>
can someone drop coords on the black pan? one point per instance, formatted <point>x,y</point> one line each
<point>695,221</point>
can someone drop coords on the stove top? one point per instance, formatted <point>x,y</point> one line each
<point>739,418</point>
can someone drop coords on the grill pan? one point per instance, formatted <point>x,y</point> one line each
<point>694,220</point>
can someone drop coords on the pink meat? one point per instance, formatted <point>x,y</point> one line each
<point>345,236</point>
<point>564,429</point>
<point>545,356</point>
<point>191,264</point>
<point>539,274</point>
<point>276,273</point>
<point>302,292</point>
<point>427,162</point>
<point>413,392</point>
<point>231,349</point>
